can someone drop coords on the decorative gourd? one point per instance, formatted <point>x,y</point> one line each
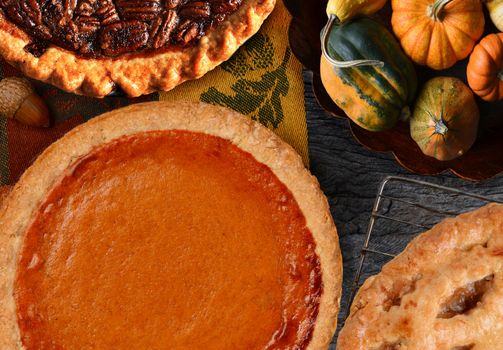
<point>495,8</point>
<point>347,9</point>
<point>437,33</point>
<point>374,96</point>
<point>485,68</point>
<point>445,120</point>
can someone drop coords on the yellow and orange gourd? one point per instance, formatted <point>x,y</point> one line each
<point>495,8</point>
<point>347,9</point>
<point>445,120</point>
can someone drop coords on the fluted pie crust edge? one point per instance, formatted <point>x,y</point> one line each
<point>4,192</point>
<point>135,74</point>
<point>409,305</point>
<point>250,136</point>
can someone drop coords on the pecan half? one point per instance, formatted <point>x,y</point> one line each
<point>107,13</point>
<point>33,11</point>
<point>123,37</point>
<point>139,9</point>
<point>88,24</point>
<point>187,32</point>
<point>166,29</point>
<point>196,9</point>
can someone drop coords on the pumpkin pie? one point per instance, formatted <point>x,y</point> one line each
<point>95,47</point>
<point>444,292</point>
<point>168,226</point>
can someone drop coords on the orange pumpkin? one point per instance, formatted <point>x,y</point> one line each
<point>437,33</point>
<point>485,68</point>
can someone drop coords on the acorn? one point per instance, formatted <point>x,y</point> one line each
<point>19,101</point>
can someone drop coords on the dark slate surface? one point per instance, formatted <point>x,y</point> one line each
<point>350,176</point>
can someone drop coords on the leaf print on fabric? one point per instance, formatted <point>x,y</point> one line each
<point>260,99</point>
<point>258,53</point>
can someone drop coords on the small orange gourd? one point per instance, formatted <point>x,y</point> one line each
<point>437,33</point>
<point>485,68</point>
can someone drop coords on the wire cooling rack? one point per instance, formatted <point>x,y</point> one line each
<point>403,209</point>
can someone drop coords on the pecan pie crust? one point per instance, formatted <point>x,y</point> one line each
<point>4,192</point>
<point>444,292</point>
<point>135,46</point>
<point>251,137</point>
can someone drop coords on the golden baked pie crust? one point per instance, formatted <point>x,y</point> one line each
<point>402,307</point>
<point>138,74</point>
<point>249,136</point>
<point>4,192</point>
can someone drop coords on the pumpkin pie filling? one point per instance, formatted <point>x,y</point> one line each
<point>168,239</point>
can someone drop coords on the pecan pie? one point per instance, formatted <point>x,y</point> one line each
<point>94,47</point>
<point>4,191</point>
<point>165,226</point>
<point>444,292</point>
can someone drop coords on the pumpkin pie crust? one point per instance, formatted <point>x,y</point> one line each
<point>143,46</point>
<point>166,225</point>
<point>444,292</point>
